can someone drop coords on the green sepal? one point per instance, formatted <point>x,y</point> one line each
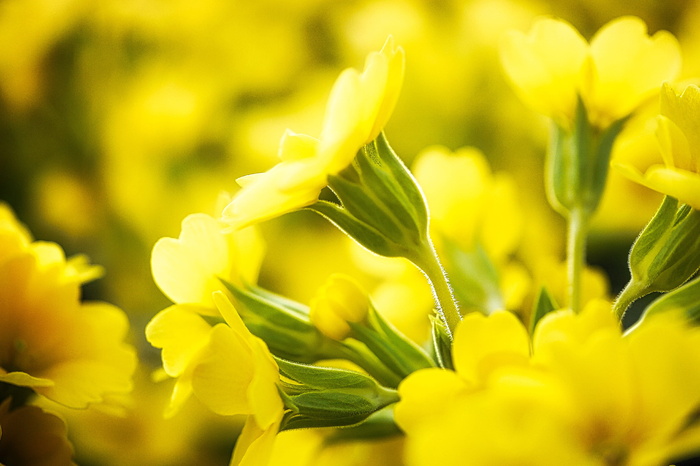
<point>396,351</point>
<point>475,279</point>
<point>684,300</point>
<point>578,161</point>
<point>324,396</point>
<point>403,177</point>
<point>544,304</point>
<point>361,232</point>
<point>442,343</point>
<point>364,208</point>
<point>377,426</point>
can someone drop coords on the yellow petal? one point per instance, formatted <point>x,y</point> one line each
<point>427,392</point>
<point>628,67</point>
<point>683,111</point>
<point>396,61</point>
<point>681,184</point>
<point>482,344</point>
<point>224,371</point>
<point>22,379</point>
<point>296,146</point>
<point>186,269</point>
<point>254,445</point>
<point>181,333</point>
<point>545,66</point>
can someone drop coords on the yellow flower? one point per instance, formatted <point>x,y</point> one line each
<point>621,67</point>
<point>678,174</point>
<point>188,269</point>
<point>340,300</point>
<point>358,108</point>
<point>468,203</point>
<point>30,435</point>
<point>585,395</point>
<point>236,374</point>
<point>70,352</point>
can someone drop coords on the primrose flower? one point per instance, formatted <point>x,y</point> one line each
<point>340,300</point>
<point>188,269</point>
<point>358,108</point>
<point>591,394</point>
<point>553,65</point>
<point>678,173</point>
<point>51,343</point>
<point>236,374</point>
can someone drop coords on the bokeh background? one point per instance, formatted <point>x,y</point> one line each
<point>120,117</point>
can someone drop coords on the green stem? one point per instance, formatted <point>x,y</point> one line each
<point>445,302</point>
<point>627,296</point>
<point>576,256</point>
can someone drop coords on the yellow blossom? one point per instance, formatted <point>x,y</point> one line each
<point>358,108</point>
<point>188,269</point>
<point>236,374</point>
<point>69,351</point>
<point>678,173</point>
<point>621,67</point>
<point>340,300</point>
<point>591,394</point>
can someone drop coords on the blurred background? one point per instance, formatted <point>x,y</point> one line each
<point>120,117</point>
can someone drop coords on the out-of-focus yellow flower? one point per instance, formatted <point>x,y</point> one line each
<point>237,375</point>
<point>678,174</point>
<point>467,202</point>
<point>188,269</point>
<point>591,394</point>
<point>339,301</point>
<point>70,352</point>
<point>31,436</point>
<point>553,65</point>
<point>358,108</point>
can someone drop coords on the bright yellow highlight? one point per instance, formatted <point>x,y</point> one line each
<point>677,174</point>
<point>592,395</point>
<point>358,108</point>
<point>70,352</point>
<point>188,269</point>
<point>468,203</point>
<point>340,300</point>
<point>620,68</point>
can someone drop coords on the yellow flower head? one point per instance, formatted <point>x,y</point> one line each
<point>468,203</point>
<point>678,173</point>
<point>188,269</point>
<point>358,108</point>
<point>583,390</point>
<point>230,370</point>
<point>339,301</point>
<point>70,352</point>
<point>621,67</point>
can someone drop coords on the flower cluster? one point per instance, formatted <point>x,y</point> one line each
<point>508,374</point>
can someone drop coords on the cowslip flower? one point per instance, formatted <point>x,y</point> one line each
<point>188,269</point>
<point>51,343</point>
<point>621,67</point>
<point>579,392</point>
<point>358,108</point>
<point>236,374</point>
<point>677,174</point>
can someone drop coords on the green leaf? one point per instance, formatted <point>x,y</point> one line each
<point>544,304</point>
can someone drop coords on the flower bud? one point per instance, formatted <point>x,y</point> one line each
<point>339,301</point>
